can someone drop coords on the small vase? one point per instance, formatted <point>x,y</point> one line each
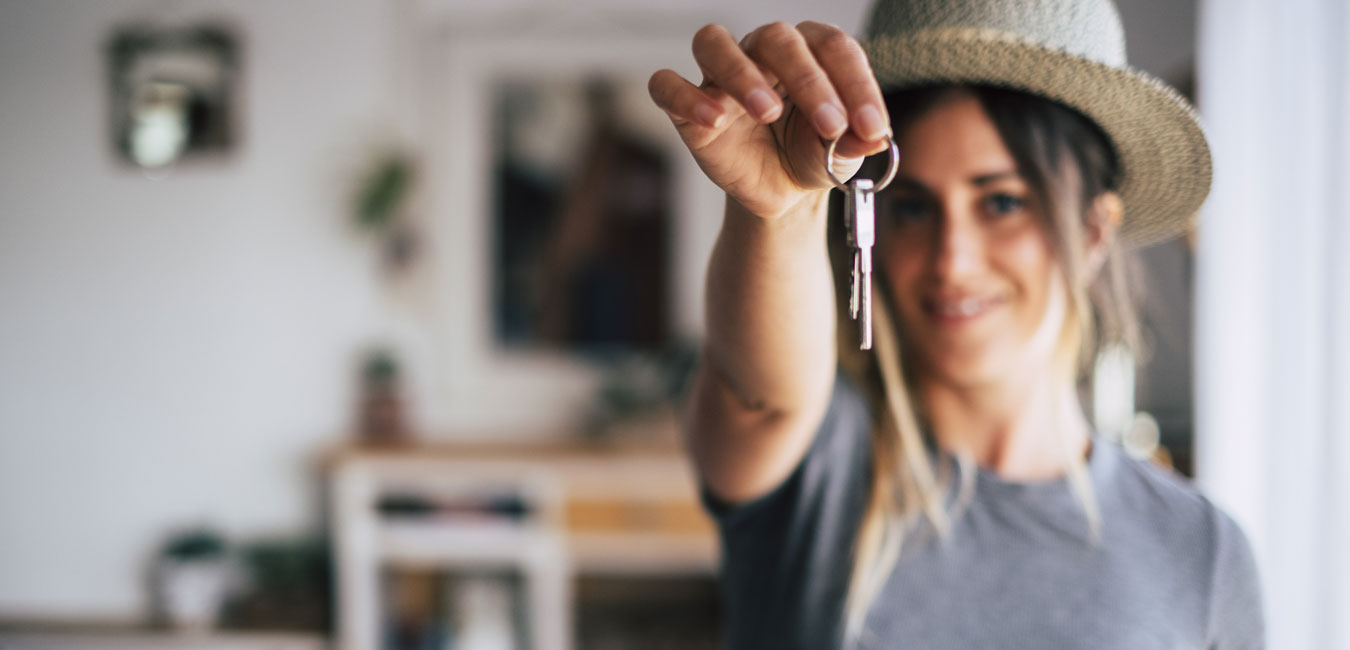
<point>192,592</point>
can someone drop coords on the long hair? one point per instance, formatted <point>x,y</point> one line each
<point>1067,161</point>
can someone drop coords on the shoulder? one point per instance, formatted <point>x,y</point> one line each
<point>1146,484</point>
<point>1165,514</point>
<point>1169,503</point>
<point>786,556</point>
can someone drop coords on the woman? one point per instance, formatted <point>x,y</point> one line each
<point>944,490</point>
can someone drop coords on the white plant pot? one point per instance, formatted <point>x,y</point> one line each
<point>192,592</point>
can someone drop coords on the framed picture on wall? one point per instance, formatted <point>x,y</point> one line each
<point>581,217</point>
<point>173,92</point>
<point>570,225</point>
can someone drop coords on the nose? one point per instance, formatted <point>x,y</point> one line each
<point>957,246</point>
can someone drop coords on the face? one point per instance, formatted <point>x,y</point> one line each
<point>978,293</point>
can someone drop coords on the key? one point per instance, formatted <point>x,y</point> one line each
<point>860,219</point>
<point>851,240</point>
<point>861,233</point>
<point>853,288</point>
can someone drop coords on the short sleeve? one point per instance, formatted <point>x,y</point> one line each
<point>1237,617</point>
<point>786,555</point>
<point>830,466</point>
<point>776,504</point>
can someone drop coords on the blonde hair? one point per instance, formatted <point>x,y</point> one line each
<point>1068,162</point>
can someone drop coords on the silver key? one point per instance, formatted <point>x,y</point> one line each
<point>860,219</point>
<point>860,225</point>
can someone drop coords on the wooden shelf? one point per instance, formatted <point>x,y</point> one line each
<point>128,640</point>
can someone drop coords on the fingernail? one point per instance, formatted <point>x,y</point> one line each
<point>829,120</point>
<point>870,124</point>
<point>762,104</point>
<point>707,115</point>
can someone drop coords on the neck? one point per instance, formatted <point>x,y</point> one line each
<point>1018,429</point>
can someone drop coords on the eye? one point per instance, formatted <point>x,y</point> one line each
<point>903,210</point>
<point>1002,203</point>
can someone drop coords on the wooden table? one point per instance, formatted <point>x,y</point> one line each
<point>591,509</point>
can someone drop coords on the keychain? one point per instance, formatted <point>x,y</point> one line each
<point>860,224</point>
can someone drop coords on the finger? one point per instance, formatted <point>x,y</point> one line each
<point>769,77</point>
<point>852,147</point>
<point>683,101</point>
<point>783,51</point>
<point>851,75</point>
<point>850,152</point>
<point>727,66</point>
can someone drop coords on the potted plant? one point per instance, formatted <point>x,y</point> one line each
<point>193,575</point>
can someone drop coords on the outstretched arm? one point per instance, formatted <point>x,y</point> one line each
<point>757,126</point>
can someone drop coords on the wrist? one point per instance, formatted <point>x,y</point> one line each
<point>809,208</point>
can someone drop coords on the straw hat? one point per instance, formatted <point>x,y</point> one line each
<point>1071,51</point>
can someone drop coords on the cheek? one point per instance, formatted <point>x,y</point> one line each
<point>894,259</point>
<point>902,263</point>
<point>902,251</point>
<point>1028,263</point>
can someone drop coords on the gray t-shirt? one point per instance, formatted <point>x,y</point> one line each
<point>1016,570</point>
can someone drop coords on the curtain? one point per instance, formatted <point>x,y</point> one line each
<point>1272,334</point>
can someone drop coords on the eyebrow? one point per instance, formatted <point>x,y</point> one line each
<point>996,176</point>
<point>913,184</point>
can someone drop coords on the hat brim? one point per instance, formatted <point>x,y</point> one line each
<point>1160,144</point>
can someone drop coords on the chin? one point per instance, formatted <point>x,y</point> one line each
<point>964,368</point>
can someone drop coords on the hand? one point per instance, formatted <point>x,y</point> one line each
<point>759,123</point>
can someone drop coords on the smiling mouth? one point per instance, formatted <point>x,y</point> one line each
<point>960,310</point>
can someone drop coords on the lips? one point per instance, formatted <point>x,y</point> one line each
<point>959,309</point>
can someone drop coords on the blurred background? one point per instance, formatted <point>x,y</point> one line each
<point>361,324</point>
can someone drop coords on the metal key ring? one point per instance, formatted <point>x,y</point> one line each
<point>881,184</point>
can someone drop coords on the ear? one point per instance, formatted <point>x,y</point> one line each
<point>1099,232</point>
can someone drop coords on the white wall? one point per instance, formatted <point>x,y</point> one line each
<point>180,350</point>
<point>172,351</point>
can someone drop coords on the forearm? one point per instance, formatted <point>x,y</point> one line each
<point>770,309</point>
